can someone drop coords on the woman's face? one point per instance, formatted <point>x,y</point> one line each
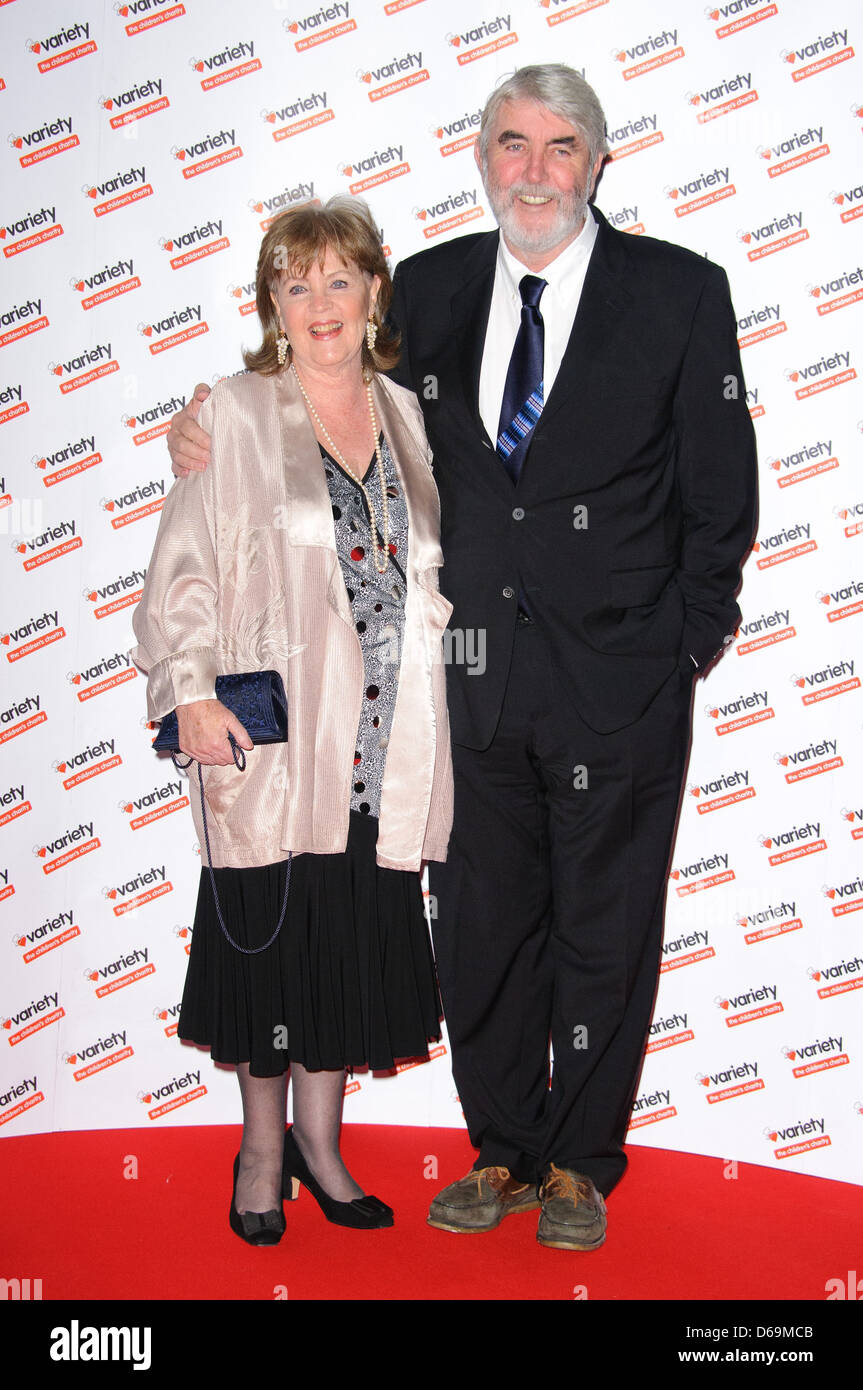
<point>324,313</point>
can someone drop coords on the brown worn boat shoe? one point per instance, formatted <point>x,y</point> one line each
<point>480,1201</point>
<point>573,1212</point>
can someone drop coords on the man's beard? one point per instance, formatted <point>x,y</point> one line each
<point>570,214</point>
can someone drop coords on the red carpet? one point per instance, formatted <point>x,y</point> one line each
<point>677,1228</point>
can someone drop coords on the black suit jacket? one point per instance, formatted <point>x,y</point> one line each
<point>636,500</point>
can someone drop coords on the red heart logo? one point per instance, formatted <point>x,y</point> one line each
<point>131,423</point>
<point>76,680</point>
<point>816,291</point>
<point>349,169</point>
<point>789,57</point>
<point>109,506</point>
<point>723,1003</point>
<point>816,974</point>
<point>147,1098</point>
<point>825,598</point>
<point>34,47</point>
<point>791,1056</point>
<point>776,465</point>
<point>259,207</point>
<point>128,807</point>
<point>784,760</point>
<point>18,143</point>
<point>238,293</point>
<point>795,376</point>
<point>42,852</point>
<point>696,791</point>
<point>621,57</point>
<point>675,873</point>
<point>91,193</point>
<point>747,237</point>
<point>169,245</point>
<point>199,67</point>
<point>79,285</point>
<point>58,371</point>
<point>741,921</point>
<point>839,198</point>
<point>112,892</point>
<point>2,233</point>
<point>21,549</point>
<point>92,596</point>
<point>293,28</point>
<point>767,843</point>
<point>7,1023</point>
<point>422,214</point>
<point>5,640</point>
<point>714,14</point>
<point>163,1013</point>
<point>148,331</point>
<point>124,11</point>
<point>756,545</point>
<point>108,103</point>
<point>695,101</point>
<point>61,767</point>
<point>705,1080</point>
<point>366,77</point>
<point>831,893</point>
<point>439,132</point>
<point>456,41</point>
<point>800,681</point>
<point>773,1136</point>
<point>849,815</point>
<point>714,714</point>
<point>271,117</point>
<point>22,941</point>
<point>184,931</point>
<point>181,154</point>
<point>72,1059</point>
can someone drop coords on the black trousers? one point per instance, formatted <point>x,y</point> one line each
<point>549,919</point>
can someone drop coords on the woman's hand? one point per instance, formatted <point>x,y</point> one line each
<point>204,726</point>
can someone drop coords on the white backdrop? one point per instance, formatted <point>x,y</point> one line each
<point>147,145</point>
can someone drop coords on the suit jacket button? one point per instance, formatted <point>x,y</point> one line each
<point>508,592</point>
<point>518,514</point>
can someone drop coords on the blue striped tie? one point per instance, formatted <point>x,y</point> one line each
<point>523,397</point>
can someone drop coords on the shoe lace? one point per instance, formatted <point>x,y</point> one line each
<point>564,1184</point>
<point>495,1177</point>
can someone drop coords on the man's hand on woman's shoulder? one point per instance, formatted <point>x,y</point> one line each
<point>188,444</point>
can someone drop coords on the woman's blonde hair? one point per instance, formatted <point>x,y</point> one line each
<point>298,238</point>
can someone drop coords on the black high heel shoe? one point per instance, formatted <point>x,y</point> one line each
<point>362,1214</point>
<point>256,1227</point>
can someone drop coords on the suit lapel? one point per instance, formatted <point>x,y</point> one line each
<point>470,310</point>
<point>601,312</point>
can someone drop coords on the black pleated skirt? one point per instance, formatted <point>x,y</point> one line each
<point>349,981</point>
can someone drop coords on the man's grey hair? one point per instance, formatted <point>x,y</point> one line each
<point>562,90</point>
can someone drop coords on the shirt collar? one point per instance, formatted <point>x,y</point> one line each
<point>571,261</point>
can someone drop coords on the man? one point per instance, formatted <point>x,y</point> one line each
<point>594,454</point>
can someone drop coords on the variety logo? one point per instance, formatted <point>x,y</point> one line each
<point>752,1004</point>
<point>72,844</point>
<point>696,194</point>
<point>230,63</point>
<point>329,22</point>
<point>127,186</point>
<point>726,790</point>
<point>375,168</point>
<point>669,1032</point>
<point>776,235</point>
<point>246,293</point>
<point>488,37</point>
<point>104,675</point>
<point>820,451</point>
<point>20,718</point>
<point>45,141</point>
<point>409,65</point>
<point>178,1091</point>
<point>648,1109</point>
<point>208,153</point>
<point>839,292</point>
<point>853,196</point>
<point>145,500</point>
<point>161,801</point>
<point>87,762</point>
<point>841,977</point>
<point>154,418</point>
<point>704,873</point>
<point>117,592</point>
<point>196,243</point>
<point>763,315</point>
<point>63,47</point>
<point>848,596</point>
<point>647,54</point>
<point>854,511</point>
<point>739,14</point>
<point>799,1132</point>
<point>32,636</point>
<point>18,804</point>
<point>26,1093</point>
<point>50,545</point>
<point>181,325</point>
<point>54,932</point>
<point>163,1015</point>
<point>739,1079</point>
<point>452,212</point>
<point>152,12</point>
<point>293,113</point>
<point>728,95</point>
<point>796,843</point>
<point>302,193</point>
<point>687,949</point>
<point>627,220</point>
<point>793,151</point>
<point>30,230</point>
<point>144,99</point>
<point>86,367</point>
<point>459,134</point>
<point>21,320</point>
<point>634,136</point>
<point>744,710</point>
<point>822,1054</point>
<point>774,920</point>
<point>772,627</point>
<point>818,54</point>
<point>107,283</point>
<point>117,974</point>
<point>832,680</point>
<point>136,892</point>
<point>38,1014</point>
<point>787,544</point>
<point>96,1056</point>
<point>849,895</point>
<point>852,815</point>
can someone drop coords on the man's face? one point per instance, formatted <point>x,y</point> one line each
<point>538,178</point>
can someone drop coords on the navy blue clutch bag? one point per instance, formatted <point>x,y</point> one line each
<point>258,700</point>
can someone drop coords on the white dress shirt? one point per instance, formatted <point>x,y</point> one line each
<point>560,299</point>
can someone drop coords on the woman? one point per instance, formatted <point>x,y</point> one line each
<point>309,546</point>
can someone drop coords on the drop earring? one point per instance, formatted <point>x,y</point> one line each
<point>282,346</point>
<point>371,334</point>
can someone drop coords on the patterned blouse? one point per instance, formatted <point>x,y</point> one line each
<point>377,604</point>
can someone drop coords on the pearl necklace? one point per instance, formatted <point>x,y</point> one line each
<point>379,550</point>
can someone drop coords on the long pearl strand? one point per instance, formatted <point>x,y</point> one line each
<point>379,550</point>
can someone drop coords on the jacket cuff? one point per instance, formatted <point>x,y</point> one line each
<point>181,679</point>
